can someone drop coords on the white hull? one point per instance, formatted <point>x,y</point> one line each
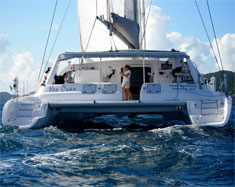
<point>42,110</point>
<point>210,113</point>
<point>90,89</point>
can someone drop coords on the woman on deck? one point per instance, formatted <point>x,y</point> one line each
<point>126,82</point>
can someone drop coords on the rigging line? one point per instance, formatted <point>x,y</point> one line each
<point>91,30</point>
<point>90,34</point>
<point>108,11</point>
<point>203,23</point>
<point>215,35</point>
<point>96,7</point>
<point>145,24</point>
<point>110,40</point>
<point>114,43</point>
<point>57,36</point>
<point>47,39</point>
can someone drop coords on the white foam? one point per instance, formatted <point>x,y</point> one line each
<point>55,159</point>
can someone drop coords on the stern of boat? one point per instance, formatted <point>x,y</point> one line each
<point>24,112</point>
<point>215,113</point>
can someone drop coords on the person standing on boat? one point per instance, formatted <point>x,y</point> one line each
<point>126,82</point>
<point>177,67</point>
<point>45,76</point>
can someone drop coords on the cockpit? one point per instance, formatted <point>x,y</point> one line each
<point>157,71</point>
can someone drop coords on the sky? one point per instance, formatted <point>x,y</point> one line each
<point>24,26</point>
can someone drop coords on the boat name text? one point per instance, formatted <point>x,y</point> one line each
<point>63,88</point>
<point>182,87</point>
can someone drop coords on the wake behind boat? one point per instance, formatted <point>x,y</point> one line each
<point>84,83</point>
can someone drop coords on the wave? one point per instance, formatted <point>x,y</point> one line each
<point>178,154</point>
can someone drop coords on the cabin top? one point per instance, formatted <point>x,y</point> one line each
<point>123,54</point>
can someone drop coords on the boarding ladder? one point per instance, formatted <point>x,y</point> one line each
<point>209,107</point>
<point>27,111</point>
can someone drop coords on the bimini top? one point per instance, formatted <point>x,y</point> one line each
<point>123,54</point>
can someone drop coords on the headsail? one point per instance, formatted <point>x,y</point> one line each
<point>122,21</point>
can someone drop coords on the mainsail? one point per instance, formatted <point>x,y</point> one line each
<point>105,24</point>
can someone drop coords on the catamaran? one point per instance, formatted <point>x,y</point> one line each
<point>88,82</point>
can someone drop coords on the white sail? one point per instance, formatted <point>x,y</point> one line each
<point>94,35</point>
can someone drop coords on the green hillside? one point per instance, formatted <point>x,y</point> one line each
<point>4,97</point>
<point>231,81</point>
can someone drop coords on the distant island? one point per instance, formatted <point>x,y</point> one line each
<point>4,97</point>
<point>231,81</point>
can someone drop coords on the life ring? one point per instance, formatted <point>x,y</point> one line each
<point>110,72</point>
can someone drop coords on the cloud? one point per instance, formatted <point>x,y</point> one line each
<point>156,29</point>
<point>157,38</point>
<point>198,50</point>
<point>16,64</point>
<point>227,50</point>
<point>3,43</point>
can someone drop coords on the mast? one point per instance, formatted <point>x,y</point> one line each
<point>108,10</point>
<point>143,27</point>
<point>138,14</point>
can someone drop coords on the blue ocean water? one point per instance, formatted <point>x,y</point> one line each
<point>179,155</point>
